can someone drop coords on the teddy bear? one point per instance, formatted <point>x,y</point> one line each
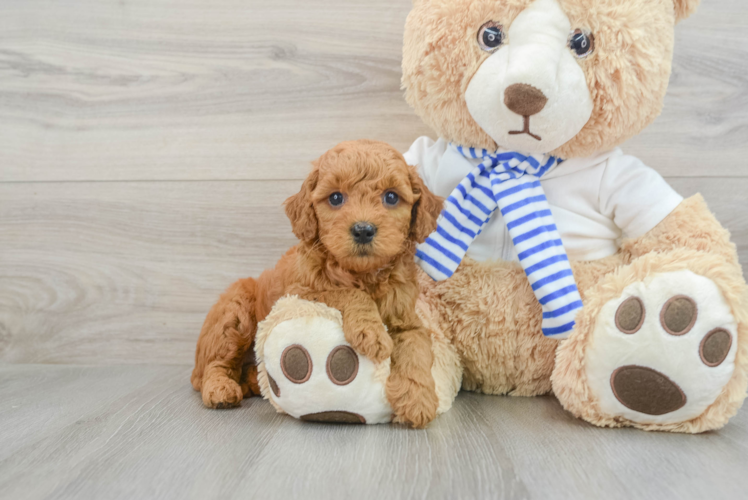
<point>559,264</point>
<point>335,384</point>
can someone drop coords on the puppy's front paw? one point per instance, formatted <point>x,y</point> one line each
<point>370,340</point>
<point>221,392</point>
<point>413,402</point>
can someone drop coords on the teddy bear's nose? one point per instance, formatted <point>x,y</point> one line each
<point>524,99</point>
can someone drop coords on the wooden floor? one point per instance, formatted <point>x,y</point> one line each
<point>140,432</point>
<point>145,149</point>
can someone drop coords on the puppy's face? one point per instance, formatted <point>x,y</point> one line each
<point>364,204</point>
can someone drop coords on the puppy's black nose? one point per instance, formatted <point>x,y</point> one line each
<point>363,232</point>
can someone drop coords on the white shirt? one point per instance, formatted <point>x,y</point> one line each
<point>595,201</point>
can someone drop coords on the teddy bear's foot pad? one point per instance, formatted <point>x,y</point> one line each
<point>663,351</point>
<point>312,373</point>
<point>335,417</point>
<point>646,390</point>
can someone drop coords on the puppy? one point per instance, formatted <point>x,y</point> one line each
<point>359,216</point>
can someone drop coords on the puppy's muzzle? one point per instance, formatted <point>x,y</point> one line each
<point>363,232</point>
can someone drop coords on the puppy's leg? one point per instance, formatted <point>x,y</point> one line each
<point>410,386</point>
<point>249,381</point>
<point>226,336</point>
<point>362,324</point>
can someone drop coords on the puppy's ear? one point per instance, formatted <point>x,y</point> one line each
<point>300,210</point>
<point>425,211</point>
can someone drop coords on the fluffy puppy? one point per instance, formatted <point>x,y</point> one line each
<point>359,216</point>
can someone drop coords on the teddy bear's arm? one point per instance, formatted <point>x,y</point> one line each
<point>362,323</point>
<point>690,225</point>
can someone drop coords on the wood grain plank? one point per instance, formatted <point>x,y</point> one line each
<point>703,129</point>
<point>125,272</point>
<point>220,106</point>
<point>102,272</point>
<point>250,89</point>
<point>621,463</point>
<point>141,432</point>
<point>231,89</point>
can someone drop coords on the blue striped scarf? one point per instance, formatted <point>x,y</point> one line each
<point>510,182</point>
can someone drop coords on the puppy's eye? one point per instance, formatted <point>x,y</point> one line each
<point>490,36</point>
<point>336,199</point>
<point>390,198</point>
<point>581,43</point>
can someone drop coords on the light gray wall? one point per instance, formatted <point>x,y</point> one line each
<point>146,148</point>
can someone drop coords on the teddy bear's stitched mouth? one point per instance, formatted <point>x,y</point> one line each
<point>526,130</point>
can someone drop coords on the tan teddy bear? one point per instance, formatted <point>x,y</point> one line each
<point>658,340</point>
<point>549,231</point>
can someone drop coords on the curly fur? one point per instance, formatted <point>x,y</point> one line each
<point>684,8</point>
<point>490,315</point>
<point>370,284</point>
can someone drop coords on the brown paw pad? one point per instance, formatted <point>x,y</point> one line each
<point>678,315</point>
<point>342,365</point>
<point>715,347</point>
<point>296,364</point>
<point>646,390</point>
<point>274,386</point>
<point>334,417</point>
<point>630,315</point>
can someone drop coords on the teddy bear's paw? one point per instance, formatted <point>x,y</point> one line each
<point>313,374</point>
<point>663,351</point>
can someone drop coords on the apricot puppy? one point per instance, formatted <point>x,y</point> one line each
<point>359,215</point>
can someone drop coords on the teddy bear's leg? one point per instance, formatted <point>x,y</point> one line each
<point>490,316</point>
<point>308,370</point>
<point>446,368</point>
<point>491,320</point>
<point>662,343</point>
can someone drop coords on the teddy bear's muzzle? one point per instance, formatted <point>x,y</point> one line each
<point>524,99</point>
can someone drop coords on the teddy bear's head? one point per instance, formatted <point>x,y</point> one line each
<point>566,77</point>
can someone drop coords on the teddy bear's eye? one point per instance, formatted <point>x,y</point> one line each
<point>581,43</point>
<point>490,36</point>
<point>336,199</point>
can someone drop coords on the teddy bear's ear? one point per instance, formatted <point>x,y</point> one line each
<point>684,8</point>
<point>300,209</point>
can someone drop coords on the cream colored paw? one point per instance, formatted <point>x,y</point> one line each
<point>663,351</point>
<point>309,371</point>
